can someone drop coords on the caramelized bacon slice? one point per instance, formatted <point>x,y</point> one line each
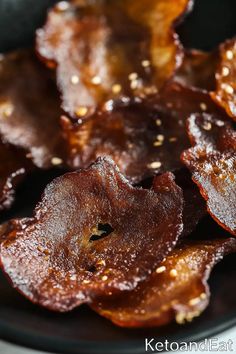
<point>104,50</point>
<point>225,93</point>
<point>143,138</point>
<point>177,289</point>
<point>213,165</point>
<point>30,108</point>
<point>92,234</point>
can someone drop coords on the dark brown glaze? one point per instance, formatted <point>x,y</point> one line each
<point>105,50</point>
<point>225,92</point>
<point>177,289</point>
<point>143,137</point>
<point>92,234</point>
<point>212,162</point>
<point>30,108</point>
<point>194,204</point>
<point>198,69</point>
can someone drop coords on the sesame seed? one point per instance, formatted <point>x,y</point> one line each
<point>158,122</point>
<point>101,262</point>
<point>74,79</point>
<point>160,137</point>
<point>203,106</point>
<point>157,143</point>
<point>155,164</point>
<point>229,54</point>
<point>207,126</point>
<point>203,296</point>
<point>229,89</point>
<point>173,273</point>
<point>225,71</point>
<point>104,278</point>
<point>194,301</point>
<point>146,63</point>
<point>7,109</point>
<point>56,161</point>
<point>172,139</point>
<point>133,76</point>
<point>116,88</point>
<point>96,80</point>
<point>134,84</point>
<point>81,111</point>
<point>63,6</point>
<point>86,281</point>
<point>180,317</point>
<point>160,269</point>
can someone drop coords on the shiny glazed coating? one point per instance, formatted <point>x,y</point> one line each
<point>30,108</point>
<point>212,162</point>
<point>177,289</point>
<point>198,69</point>
<point>104,50</point>
<point>225,92</point>
<point>143,138</point>
<point>92,234</point>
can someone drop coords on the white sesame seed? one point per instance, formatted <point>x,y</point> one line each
<point>229,89</point>
<point>63,6</point>
<point>104,278</point>
<point>158,122</point>
<point>56,161</point>
<point>194,301</point>
<point>173,139</point>
<point>203,106</point>
<point>74,79</point>
<point>173,273</point>
<point>158,143</point>
<point>81,111</point>
<point>225,71</point>
<point>116,88</point>
<point>229,54</point>
<point>203,296</point>
<point>207,126</point>
<point>133,76</point>
<point>96,80</point>
<point>155,164</point>
<point>134,84</point>
<point>146,63</point>
<point>160,137</point>
<point>160,269</point>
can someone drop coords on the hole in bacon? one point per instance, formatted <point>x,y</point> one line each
<point>104,50</point>
<point>101,231</point>
<point>212,163</point>
<point>50,259</point>
<point>176,290</point>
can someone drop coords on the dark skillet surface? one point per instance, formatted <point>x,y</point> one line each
<point>82,331</point>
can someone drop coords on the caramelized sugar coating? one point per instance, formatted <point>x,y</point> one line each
<point>92,234</point>
<point>225,93</point>
<point>30,108</point>
<point>198,69</point>
<point>143,138</point>
<point>177,289</point>
<point>104,50</point>
<point>212,162</point>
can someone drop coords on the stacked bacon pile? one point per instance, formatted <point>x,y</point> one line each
<point>111,95</point>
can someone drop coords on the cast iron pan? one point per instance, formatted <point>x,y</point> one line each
<point>82,331</point>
